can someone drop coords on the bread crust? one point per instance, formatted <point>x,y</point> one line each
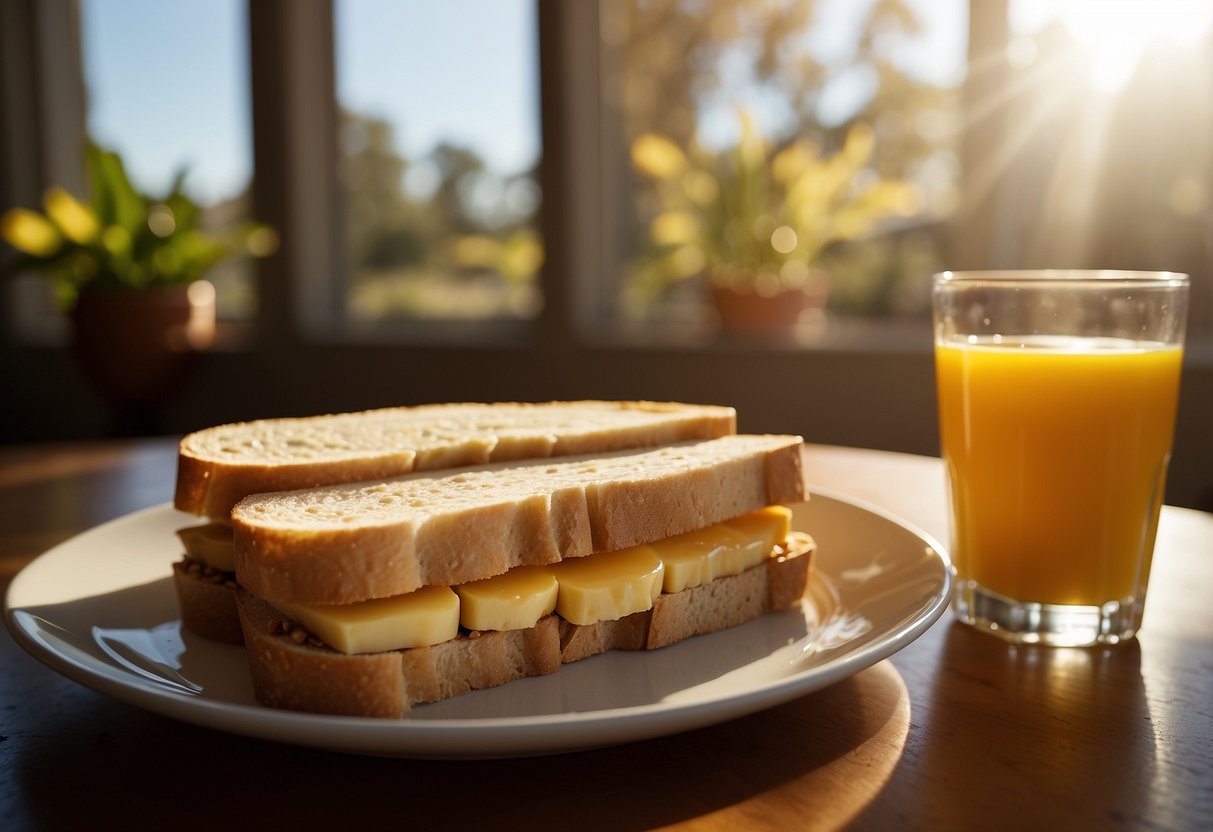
<point>208,606</point>
<point>211,481</point>
<point>580,641</point>
<point>317,679</point>
<point>347,544</point>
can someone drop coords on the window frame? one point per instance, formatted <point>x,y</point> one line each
<point>868,383</point>
<point>42,127</point>
<point>301,290</point>
<point>303,287</point>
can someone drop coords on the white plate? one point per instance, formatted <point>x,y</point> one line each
<point>101,610</point>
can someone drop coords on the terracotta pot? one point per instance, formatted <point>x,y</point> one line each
<point>748,312</point>
<point>136,347</point>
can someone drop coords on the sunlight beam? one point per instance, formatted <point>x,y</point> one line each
<point>1114,35</point>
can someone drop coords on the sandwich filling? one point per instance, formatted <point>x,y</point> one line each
<point>586,590</point>
<point>210,544</point>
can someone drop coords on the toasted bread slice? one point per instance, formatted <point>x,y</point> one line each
<point>343,544</point>
<point>292,670</point>
<point>207,600</point>
<point>219,466</point>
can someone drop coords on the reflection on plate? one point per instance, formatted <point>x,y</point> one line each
<point>101,610</point>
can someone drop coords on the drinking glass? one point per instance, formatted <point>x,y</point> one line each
<point>1057,395</point>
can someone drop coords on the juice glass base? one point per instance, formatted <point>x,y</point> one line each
<point>1060,625</point>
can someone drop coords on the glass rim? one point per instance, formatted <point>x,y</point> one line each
<point>1071,277</point>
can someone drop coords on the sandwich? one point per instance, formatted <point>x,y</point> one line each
<point>217,467</point>
<point>369,598</point>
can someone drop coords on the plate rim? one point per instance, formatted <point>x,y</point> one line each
<point>477,737</point>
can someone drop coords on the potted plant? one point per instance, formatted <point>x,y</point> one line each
<point>754,220</point>
<point>128,269</point>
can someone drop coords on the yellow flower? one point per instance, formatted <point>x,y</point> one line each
<point>792,161</point>
<point>75,219</point>
<point>673,227</point>
<point>857,147</point>
<point>687,261</point>
<point>30,232</point>
<point>657,157</point>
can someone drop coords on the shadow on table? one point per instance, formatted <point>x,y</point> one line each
<point>823,756</point>
<point>1057,725</point>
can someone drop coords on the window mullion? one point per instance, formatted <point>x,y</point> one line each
<point>42,135</point>
<point>295,163</point>
<point>572,188</point>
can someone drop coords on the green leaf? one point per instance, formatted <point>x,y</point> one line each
<point>115,200</point>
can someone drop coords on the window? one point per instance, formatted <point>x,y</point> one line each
<point>1018,155</point>
<point>439,150</point>
<point>809,147</point>
<point>167,87</point>
<point>425,185</point>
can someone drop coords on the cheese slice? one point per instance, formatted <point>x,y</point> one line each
<point>768,526</point>
<point>759,532</point>
<point>513,601</point>
<point>211,544</point>
<point>585,590</point>
<point>608,586</point>
<point>692,559</point>
<point>722,550</point>
<point>422,618</point>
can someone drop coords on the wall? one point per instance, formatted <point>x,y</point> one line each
<point>872,399</point>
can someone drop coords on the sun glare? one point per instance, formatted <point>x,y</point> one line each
<point>1116,32</point>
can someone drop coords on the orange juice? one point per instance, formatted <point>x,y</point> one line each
<point>1057,452</point>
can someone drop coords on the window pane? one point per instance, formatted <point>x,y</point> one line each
<point>439,151</point>
<point>803,146</point>
<point>168,89</point>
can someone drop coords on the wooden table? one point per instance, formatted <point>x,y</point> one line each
<point>957,731</point>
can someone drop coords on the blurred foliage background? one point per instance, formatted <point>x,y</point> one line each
<point>446,236</point>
